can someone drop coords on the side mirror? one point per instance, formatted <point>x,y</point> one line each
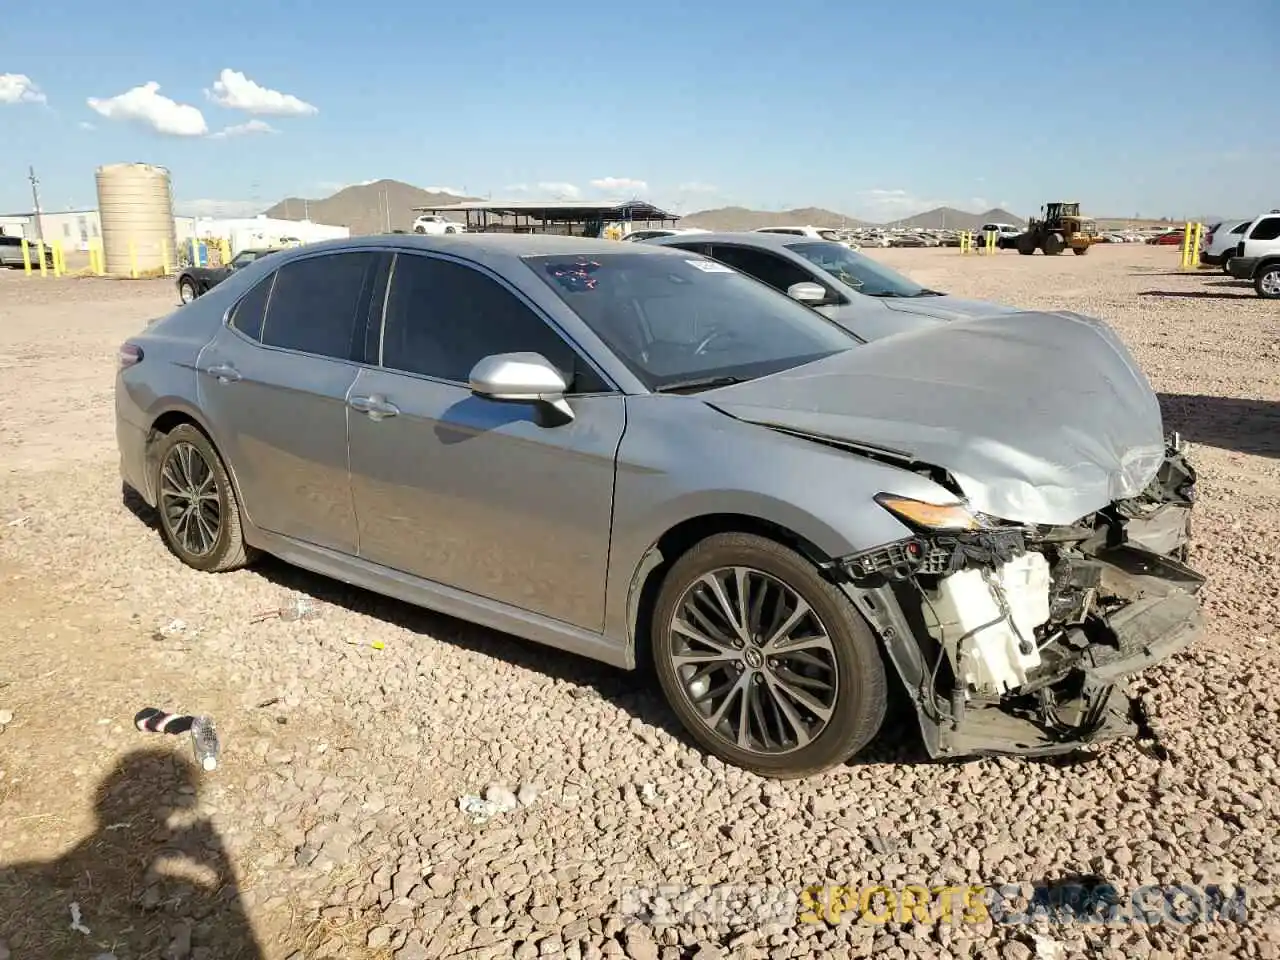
<point>520,378</point>
<point>807,292</point>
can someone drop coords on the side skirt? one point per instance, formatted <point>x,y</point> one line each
<point>442,599</point>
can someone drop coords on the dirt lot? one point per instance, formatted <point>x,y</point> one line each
<point>332,826</point>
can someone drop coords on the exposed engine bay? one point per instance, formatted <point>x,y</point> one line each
<point>1015,638</point>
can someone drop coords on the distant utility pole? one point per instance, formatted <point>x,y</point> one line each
<point>35,198</point>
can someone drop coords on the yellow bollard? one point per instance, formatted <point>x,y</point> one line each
<point>224,248</point>
<point>133,261</point>
<point>164,254</point>
<point>40,257</point>
<point>56,247</point>
<point>964,241</point>
<point>26,257</point>
<point>991,242</point>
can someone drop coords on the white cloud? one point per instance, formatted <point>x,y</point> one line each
<point>558,189</point>
<point>450,190</point>
<point>619,185</point>
<point>147,106</point>
<point>241,129</point>
<point>218,208</point>
<point>234,90</point>
<point>19,88</point>
<point>86,125</point>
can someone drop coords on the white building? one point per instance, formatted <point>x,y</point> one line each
<point>75,228</point>
<point>247,233</point>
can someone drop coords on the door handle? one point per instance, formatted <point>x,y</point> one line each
<point>376,406</point>
<point>224,372</point>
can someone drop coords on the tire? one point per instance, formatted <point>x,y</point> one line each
<point>846,661</point>
<point>1225,269</point>
<point>187,290</point>
<point>1053,244</point>
<point>421,230</point>
<point>1079,251</point>
<point>176,463</point>
<point>1027,245</point>
<point>1267,281</point>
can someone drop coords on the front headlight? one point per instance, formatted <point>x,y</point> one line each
<point>929,516</point>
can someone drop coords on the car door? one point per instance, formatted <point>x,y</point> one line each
<point>274,382</point>
<point>488,497</point>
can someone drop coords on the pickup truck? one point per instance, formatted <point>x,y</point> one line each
<point>11,253</point>
<point>1257,256</point>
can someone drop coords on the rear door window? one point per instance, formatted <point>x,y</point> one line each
<point>315,305</point>
<point>247,315</point>
<point>1268,228</point>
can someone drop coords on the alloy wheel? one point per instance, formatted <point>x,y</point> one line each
<point>754,660</point>
<point>189,501</point>
<point>1269,283</point>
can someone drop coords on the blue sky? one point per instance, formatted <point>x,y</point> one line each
<point>1158,107</point>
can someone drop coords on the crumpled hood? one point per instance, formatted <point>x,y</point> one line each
<point>947,307</point>
<point>1040,417</point>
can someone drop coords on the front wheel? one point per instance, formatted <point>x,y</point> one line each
<point>1079,251</point>
<point>199,512</point>
<point>1267,282</point>
<point>186,290</point>
<point>766,663</point>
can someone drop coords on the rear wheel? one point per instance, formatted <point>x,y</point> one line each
<point>1267,282</point>
<point>187,290</point>
<point>766,663</point>
<point>1053,244</point>
<point>1079,251</point>
<point>199,513</point>
<point>1026,244</point>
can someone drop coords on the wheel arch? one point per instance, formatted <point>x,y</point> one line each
<point>162,425</point>
<point>646,580</point>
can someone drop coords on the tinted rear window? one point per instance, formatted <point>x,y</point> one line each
<point>314,304</point>
<point>248,314</point>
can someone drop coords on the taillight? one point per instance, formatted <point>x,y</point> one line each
<point>129,355</point>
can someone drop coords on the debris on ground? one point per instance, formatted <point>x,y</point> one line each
<point>1047,948</point>
<point>170,629</point>
<point>504,799</point>
<point>18,522</point>
<point>204,735</point>
<point>478,809</point>
<point>300,608</point>
<point>76,925</point>
<point>6,718</point>
<point>528,794</point>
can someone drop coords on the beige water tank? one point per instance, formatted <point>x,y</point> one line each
<point>135,206</point>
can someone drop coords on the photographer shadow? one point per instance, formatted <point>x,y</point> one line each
<point>152,880</point>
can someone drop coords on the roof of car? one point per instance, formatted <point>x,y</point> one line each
<point>772,241</point>
<point>483,246</point>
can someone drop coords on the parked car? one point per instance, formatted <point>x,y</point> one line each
<point>817,233</point>
<point>1170,238</point>
<point>1221,240</point>
<point>1257,256</point>
<point>1006,235</point>
<point>863,295</point>
<point>196,281</point>
<point>11,253</point>
<point>647,233</point>
<point>436,225</point>
<point>631,452</point>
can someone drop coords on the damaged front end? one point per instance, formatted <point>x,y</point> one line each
<point>1019,638</point>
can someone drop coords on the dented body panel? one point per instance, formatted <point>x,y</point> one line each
<point>1039,417</point>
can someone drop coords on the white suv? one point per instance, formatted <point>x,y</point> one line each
<point>1220,242</point>
<point>1257,256</point>
<point>1006,234</point>
<point>437,225</point>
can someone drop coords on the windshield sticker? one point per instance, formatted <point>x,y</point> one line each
<point>575,277</point>
<point>709,266</point>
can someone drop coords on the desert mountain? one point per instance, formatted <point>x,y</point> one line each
<point>740,218</point>
<point>366,208</point>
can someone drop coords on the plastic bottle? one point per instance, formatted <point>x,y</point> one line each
<point>301,609</point>
<point>204,741</point>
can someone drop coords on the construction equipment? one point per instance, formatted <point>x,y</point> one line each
<point>1059,226</point>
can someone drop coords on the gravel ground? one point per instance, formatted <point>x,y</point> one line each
<point>332,825</point>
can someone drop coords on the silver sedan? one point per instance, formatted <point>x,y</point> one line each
<point>635,453</point>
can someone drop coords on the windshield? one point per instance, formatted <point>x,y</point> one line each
<point>857,271</point>
<point>674,319</point>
